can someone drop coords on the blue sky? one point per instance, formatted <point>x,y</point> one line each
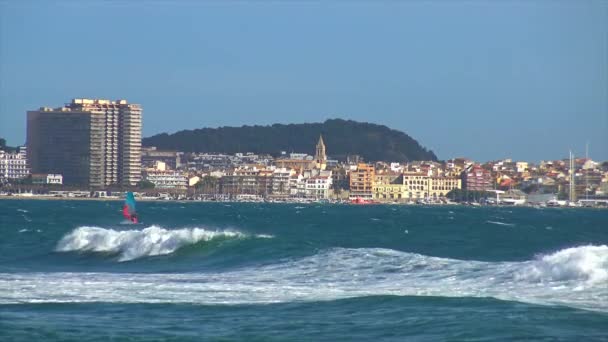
<point>482,79</point>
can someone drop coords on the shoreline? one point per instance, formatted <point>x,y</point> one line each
<point>140,199</point>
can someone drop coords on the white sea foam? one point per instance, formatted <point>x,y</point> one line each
<point>573,277</point>
<point>585,266</point>
<point>133,244</point>
<point>501,223</point>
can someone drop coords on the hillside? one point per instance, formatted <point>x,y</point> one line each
<point>342,137</point>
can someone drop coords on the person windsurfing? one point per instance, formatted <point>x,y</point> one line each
<point>128,210</point>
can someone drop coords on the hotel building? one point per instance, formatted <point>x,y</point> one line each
<point>90,142</point>
<point>13,165</point>
<point>362,182</point>
<point>476,178</point>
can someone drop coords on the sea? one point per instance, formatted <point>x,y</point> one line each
<point>191,271</point>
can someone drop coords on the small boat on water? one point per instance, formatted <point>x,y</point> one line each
<point>360,200</point>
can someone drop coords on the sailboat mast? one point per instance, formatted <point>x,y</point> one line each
<point>586,171</point>
<point>572,187</point>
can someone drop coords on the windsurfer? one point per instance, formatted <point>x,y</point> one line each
<point>128,210</point>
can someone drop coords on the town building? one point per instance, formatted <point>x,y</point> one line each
<point>318,187</point>
<point>49,178</point>
<point>91,142</point>
<point>281,178</point>
<point>163,178</point>
<point>418,184</point>
<point>247,181</point>
<point>167,179</point>
<point>296,164</point>
<point>476,178</point>
<point>13,165</point>
<point>441,186</point>
<point>149,155</point>
<point>362,182</point>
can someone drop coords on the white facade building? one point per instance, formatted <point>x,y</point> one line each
<point>54,179</point>
<point>281,184</point>
<point>318,187</point>
<point>166,179</point>
<point>297,186</point>
<point>13,165</point>
<point>48,178</point>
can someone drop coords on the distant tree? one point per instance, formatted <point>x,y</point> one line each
<point>461,195</point>
<point>605,166</point>
<point>532,188</point>
<point>207,184</point>
<point>3,146</point>
<point>144,184</point>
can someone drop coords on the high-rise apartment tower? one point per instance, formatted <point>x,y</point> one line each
<point>94,143</point>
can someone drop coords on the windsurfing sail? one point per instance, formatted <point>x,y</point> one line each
<point>128,210</point>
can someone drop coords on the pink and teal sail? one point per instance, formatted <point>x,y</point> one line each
<point>128,210</point>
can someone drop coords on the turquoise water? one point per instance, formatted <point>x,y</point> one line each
<point>71,270</point>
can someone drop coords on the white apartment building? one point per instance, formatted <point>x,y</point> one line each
<point>281,181</point>
<point>13,165</point>
<point>297,186</point>
<point>166,179</point>
<point>318,187</point>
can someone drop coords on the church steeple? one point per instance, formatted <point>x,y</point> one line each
<point>320,156</point>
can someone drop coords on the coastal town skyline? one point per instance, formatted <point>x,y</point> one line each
<point>94,146</point>
<point>303,170</point>
<point>486,81</point>
<point>577,151</point>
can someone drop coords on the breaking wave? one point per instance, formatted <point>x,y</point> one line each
<point>573,277</point>
<point>586,265</point>
<point>134,244</point>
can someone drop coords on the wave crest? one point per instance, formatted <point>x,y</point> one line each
<point>134,244</point>
<point>574,277</point>
<point>585,263</point>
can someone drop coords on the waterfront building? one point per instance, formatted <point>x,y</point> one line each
<point>166,179</point>
<point>388,186</point>
<point>49,178</point>
<point>297,186</point>
<point>318,187</point>
<point>418,185</point>
<point>247,181</point>
<point>441,186</point>
<point>410,186</point>
<point>13,165</point>
<point>91,142</point>
<point>281,178</point>
<point>362,182</point>
<point>476,178</point>
<point>391,192</point>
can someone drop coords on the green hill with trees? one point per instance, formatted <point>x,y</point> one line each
<point>342,138</point>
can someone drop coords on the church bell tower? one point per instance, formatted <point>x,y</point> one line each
<point>320,156</point>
